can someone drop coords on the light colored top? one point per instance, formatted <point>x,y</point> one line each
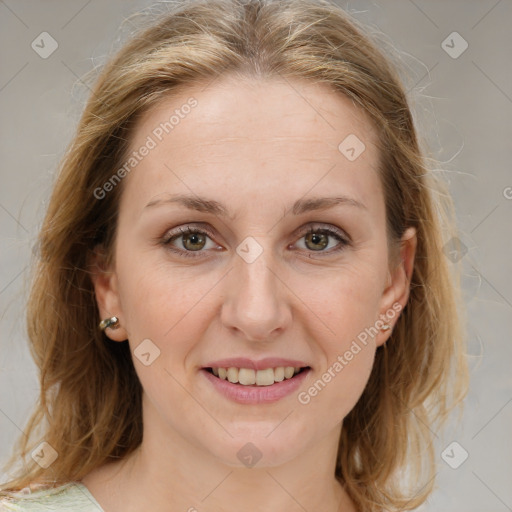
<point>70,497</point>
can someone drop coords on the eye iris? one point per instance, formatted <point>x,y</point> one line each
<point>315,237</point>
<point>194,241</point>
<point>194,237</point>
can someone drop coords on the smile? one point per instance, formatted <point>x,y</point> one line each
<point>250,377</point>
<point>255,386</point>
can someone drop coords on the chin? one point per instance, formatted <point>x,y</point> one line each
<point>258,449</point>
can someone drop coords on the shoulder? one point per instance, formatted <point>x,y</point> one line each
<point>70,496</point>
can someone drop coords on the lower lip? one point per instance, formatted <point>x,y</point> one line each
<point>256,394</point>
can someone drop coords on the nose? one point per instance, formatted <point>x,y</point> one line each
<point>257,303</point>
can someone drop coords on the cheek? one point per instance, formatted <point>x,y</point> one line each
<point>335,392</point>
<point>348,306</point>
<point>349,351</point>
<point>172,313</point>
<point>163,304</point>
<point>347,300</point>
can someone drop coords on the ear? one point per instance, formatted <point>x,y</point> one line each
<point>396,292</point>
<point>104,281</point>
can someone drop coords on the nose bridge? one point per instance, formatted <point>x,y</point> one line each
<point>256,303</point>
<point>257,279</point>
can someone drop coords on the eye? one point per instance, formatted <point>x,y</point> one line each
<point>316,239</point>
<point>194,240</point>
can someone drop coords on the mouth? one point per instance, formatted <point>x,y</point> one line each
<point>257,378</point>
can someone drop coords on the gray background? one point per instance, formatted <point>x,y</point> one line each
<point>464,106</point>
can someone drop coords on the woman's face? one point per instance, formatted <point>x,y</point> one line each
<point>286,265</point>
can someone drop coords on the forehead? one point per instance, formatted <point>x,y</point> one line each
<point>253,139</point>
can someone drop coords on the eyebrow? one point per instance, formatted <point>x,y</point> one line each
<point>300,206</point>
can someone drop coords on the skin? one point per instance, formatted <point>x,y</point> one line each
<point>257,147</point>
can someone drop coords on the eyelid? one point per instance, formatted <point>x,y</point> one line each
<point>197,227</point>
<point>319,227</point>
<point>203,228</point>
<point>184,229</point>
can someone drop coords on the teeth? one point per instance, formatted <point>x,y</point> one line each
<point>265,377</point>
<point>279,374</point>
<point>232,375</point>
<point>288,372</point>
<point>248,376</point>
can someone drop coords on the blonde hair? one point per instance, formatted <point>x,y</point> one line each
<point>89,407</point>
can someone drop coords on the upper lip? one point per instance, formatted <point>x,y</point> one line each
<point>262,364</point>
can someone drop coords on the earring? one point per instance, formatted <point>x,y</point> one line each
<point>385,327</point>
<point>112,322</point>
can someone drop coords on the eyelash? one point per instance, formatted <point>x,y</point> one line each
<point>170,237</point>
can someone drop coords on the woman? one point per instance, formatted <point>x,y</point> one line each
<point>241,300</point>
